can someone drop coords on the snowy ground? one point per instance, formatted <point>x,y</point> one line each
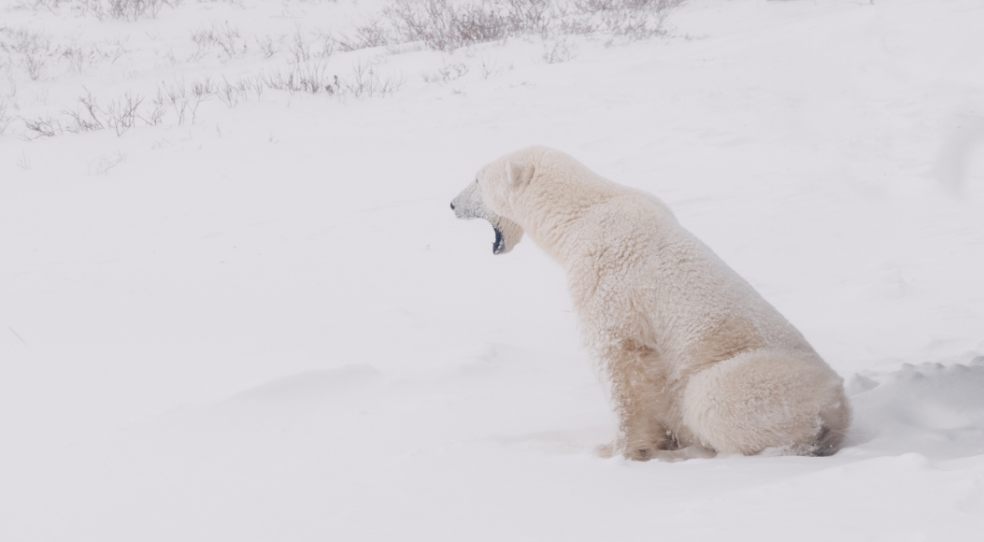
<point>264,323</point>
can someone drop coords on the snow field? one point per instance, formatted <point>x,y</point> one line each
<point>265,323</point>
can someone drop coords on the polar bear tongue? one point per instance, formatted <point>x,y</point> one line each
<point>500,243</point>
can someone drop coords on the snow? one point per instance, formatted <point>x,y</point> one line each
<point>267,324</point>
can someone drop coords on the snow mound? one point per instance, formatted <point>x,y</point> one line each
<point>314,384</point>
<point>930,408</point>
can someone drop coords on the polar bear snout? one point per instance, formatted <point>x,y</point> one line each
<point>470,203</point>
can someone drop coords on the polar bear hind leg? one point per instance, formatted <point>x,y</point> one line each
<point>764,400</point>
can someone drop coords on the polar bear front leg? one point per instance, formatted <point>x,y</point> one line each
<point>637,392</point>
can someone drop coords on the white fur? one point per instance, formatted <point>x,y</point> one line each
<point>697,359</point>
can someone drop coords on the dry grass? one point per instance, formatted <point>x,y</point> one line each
<point>179,104</point>
<point>125,10</point>
<point>4,116</point>
<point>304,59</point>
<point>447,25</point>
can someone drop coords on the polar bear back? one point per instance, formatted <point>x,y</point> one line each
<point>646,276</point>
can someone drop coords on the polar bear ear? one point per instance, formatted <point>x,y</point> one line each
<point>519,175</point>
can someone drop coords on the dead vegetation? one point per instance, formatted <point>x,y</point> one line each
<point>305,57</point>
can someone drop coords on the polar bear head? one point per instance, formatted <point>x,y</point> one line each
<point>492,196</point>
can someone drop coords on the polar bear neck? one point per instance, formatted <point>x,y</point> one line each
<point>557,198</point>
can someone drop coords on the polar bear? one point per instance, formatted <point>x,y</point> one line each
<point>698,362</point>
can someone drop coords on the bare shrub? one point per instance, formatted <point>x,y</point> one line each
<point>33,63</point>
<point>202,89</point>
<point>43,127</point>
<point>87,119</point>
<point>134,9</point>
<point>182,102</point>
<point>490,69</point>
<point>183,105</point>
<point>179,103</point>
<point>447,73</point>
<point>531,15</point>
<point>156,114</point>
<point>310,78</point>
<point>366,83</point>
<point>226,39</point>
<point>266,46</point>
<point>4,117</point>
<point>444,25</point>
<point>371,34</point>
<point>33,50</point>
<point>122,114</point>
<point>36,53</point>
<point>127,10</point>
<point>632,19</point>
<point>558,51</point>
<point>578,26</point>
<point>176,103</point>
<point>160,104</point>
<point>594,6</point>
<point>326,45</point>
<point>300,49</point>
<point>76,57</point>
<point>232,93</point>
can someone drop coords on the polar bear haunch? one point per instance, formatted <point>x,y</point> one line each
<point>697,360</point>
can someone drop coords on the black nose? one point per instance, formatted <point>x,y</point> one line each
<point>452,205</point>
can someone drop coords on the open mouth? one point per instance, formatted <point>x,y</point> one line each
<point>499,244</point>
